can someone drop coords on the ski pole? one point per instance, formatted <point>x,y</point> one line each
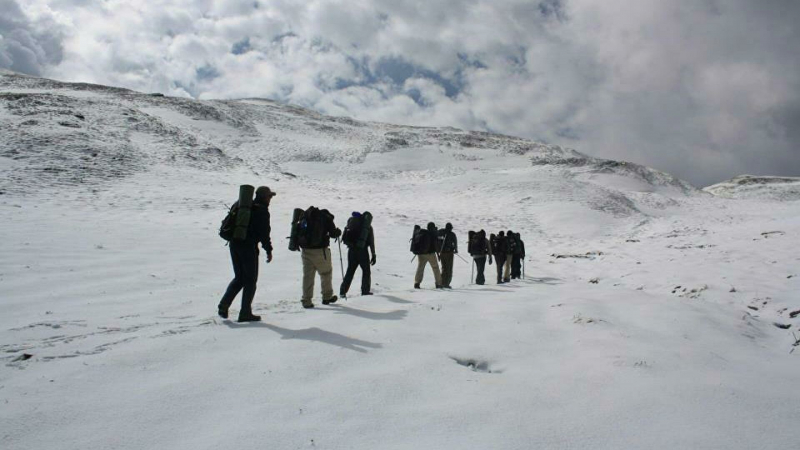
<point>341,264</point>
<point>472,275</point>
<point>412,258</point>
<point>465,261</point>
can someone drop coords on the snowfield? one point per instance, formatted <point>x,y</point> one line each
<point>653,315</point>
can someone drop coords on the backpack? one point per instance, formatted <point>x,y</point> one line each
<point>352,232</point>
<point>511,244</point>
<point>228,224</point>
<point>477,244</point>
<point>420,241</point>
<point>499,245</point>
<point>470,238</point>
<point>309,229</point>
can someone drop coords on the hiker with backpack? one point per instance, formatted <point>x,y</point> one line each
<point>312,231</point>
<point>424,246</point>
<point>360,240</point>
<point>518,253</point>
<point>499,246</point>
<point>448,245</point>
<point>511,248</point>
<point>480,249</point>
<point>245,226</point>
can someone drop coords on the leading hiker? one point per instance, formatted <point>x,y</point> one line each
<point>244,249</point>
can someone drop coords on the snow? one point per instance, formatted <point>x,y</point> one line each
<point>111,282</point>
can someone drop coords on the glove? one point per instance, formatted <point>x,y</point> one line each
<point>269,257</point>
<point>336,233</point>
<point>373,259</point>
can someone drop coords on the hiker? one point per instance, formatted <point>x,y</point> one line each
<point>518,254</point>
<point>511,245</point>
<point>480,249</point>
<point>423,245</point>
<point>244,256</point>
<point>360,240</point>
<point>314,229</point>
<point>499,249</point>
<point>448,247</point>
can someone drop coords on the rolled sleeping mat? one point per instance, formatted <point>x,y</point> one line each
<point>243,216</point>
<point>366,223</point>
<point>470,236</point>
<point>296,215</point>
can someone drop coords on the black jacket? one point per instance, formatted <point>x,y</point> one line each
<point>448,242</point>
<point>259,228</point>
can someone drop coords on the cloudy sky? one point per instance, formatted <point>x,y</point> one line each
<point>704,89</point>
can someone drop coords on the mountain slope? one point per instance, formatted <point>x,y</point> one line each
<point>647,317</point>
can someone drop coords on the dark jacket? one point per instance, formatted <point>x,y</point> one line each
<point>259,228</point>
<point>448,242</point>
<point>433,240</point>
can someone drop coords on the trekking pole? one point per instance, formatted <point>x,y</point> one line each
<point>341,264</point>
<point>523,268</point>
<point>472,275</point>
<point>465,261</point>
<point>412,258</point>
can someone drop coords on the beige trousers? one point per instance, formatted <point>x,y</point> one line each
<point>507,267</point>
<point>317,260</point>
<point>422,260</point>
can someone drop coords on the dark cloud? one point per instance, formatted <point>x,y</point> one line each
<point>25,45</point>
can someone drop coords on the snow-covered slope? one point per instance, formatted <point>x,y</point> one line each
<point>647,318</point>
<point>756,187</point>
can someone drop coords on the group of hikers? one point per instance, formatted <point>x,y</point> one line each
<point>431,245</point>
<point>247,225</point>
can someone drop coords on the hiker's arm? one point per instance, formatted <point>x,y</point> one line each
<point>265,230</point>
<point>371,241</point>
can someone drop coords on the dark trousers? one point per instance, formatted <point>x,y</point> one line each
<point>516,266</point>
<point>245,274</point>
<point>480,265</point>
<point>500,260</point>
<point>447,268</point>
<point>356,258</point>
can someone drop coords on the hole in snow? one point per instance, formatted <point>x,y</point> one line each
<point>476,365</point>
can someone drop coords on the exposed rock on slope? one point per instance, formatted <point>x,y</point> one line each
<point>755,187</point>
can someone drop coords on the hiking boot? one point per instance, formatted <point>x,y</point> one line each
<point>249,318</point>
<point>447,287</point>
<point>439,286</point>
<point>308,305</point>
<point>330,300</point>
<point>416,286</point>
<point>366,293</point>
<point>222,311</point>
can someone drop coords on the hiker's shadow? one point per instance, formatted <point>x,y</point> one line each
<point>541,280</point>
<point>391,315</point>
<point>395,299</point>
<point>314,334</point>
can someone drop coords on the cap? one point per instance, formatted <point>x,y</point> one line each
<point>264,192</point>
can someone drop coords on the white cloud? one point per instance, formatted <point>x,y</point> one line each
<point>702,88</point>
